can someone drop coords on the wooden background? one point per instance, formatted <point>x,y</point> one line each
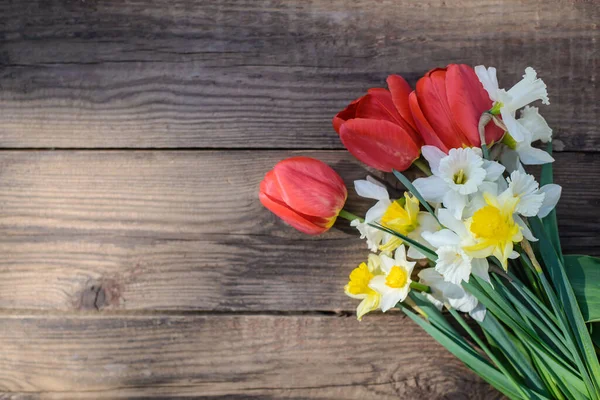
<point>136,260</point>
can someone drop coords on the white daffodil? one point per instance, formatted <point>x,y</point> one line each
<point>394,284</point>
<point>406,219</point>
<point>526,91</point>
<point>444,292</point>
<point>456,176</point>
<point>536,124</point>
<point>526,189</point>
<point>533,200</point>
<point>552,195</point>
<point>453,262</point>
<point>529,128</point>
<point>358,286</point>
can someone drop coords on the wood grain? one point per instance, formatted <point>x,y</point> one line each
<point>268,74</point>
<point>164,230</point>
<point>250,357</point>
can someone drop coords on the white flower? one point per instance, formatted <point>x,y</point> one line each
<point>394,284</point>
<point>526,91</point>
<point>407,220</point>
<point>533,200</point>
<point>443,292</point>
<point>526,130</point>
<point>456,175</point>
<point>552,194</point>
<point>536,124</point>
<point>453,262</point>
<point>525,187</point>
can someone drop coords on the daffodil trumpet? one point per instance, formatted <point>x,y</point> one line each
<point>474,235</point>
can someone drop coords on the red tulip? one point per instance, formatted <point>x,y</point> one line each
<point>304,192</point>
<point>447,106</point>
<point>378,128</point>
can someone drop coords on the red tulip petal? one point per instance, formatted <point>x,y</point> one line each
<point>433,100</point>
<point>467,99</point>
<point>347,113</point>
<point>379,144</point>
<point>427,132</point>
<point>315,226</point>
<point>378,104</point>
<point>310,186</point>
<point>270,186</point>
<point>400,90</point>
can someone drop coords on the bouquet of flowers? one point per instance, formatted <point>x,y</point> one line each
<point>481,229</point>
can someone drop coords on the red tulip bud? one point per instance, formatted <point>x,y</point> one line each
<point>304,192</point>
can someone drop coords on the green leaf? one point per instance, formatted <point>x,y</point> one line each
<point>507,315</point>
<point>568,383</point>
<point>515,355</point>
<point>584,275</point>
<point>567,298</point>
<point>483,368</point>
<point>545,328</point>
<point>411,188</point>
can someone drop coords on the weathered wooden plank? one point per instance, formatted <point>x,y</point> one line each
<point>230,74</point>
<point>387,357</point>
<point>185,230</point>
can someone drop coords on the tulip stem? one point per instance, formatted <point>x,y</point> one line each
<point>420,287</point>
<point>423,166</point>
<point>349,216</point>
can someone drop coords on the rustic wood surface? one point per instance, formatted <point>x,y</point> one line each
<point>136,259</point>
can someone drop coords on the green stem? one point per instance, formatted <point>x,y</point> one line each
<point>420,287</point>
<point>422,165</point>
<point>488,352</point>
<point>349,216</point>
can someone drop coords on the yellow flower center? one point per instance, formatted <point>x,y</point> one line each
<point>397,277</point>
<point>402,219</point>
<point>359,280</point>
<point>488,223</point>
<point>460,178</point>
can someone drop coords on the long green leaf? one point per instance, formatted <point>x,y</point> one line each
<point>483,368</point>
<point>552,384</point>
<point>535,303</point>
<point>584,276</point>
<point>516,356</point>
<point>511,319</point>
<point>436,318</point>
<point>547,330</point>
<point>570,385</point>
<point>566,295</point>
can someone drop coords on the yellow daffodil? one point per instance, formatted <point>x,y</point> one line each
<point>403,216</point>
<point>494,228</point>
<point>358,286</point>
